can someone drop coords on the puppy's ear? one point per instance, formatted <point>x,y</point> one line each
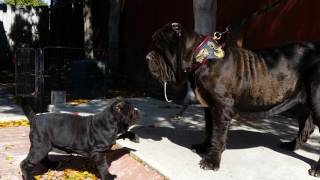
<point>117,106</point>
<point>119,98</point>
<point>177,28</point>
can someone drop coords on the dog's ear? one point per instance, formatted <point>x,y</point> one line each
<point>177,28</point>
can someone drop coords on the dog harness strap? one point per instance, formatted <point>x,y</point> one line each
<point>195,66</point>
<point>201,44</point>
<point>207,49</point>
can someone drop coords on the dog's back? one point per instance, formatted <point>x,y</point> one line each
<point>71,133</point>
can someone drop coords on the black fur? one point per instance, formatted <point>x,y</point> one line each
<point>264,82</point>
<point>90,136</point>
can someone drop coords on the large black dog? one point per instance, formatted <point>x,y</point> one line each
<point>229,81</point>
<point>90,136</point>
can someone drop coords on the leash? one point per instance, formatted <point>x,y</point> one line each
<point>217,35</point>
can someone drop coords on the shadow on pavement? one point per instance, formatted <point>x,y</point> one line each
<point>249,133</point>
<point>79,163</point>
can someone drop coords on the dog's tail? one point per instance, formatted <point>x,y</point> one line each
<point>27,109</point>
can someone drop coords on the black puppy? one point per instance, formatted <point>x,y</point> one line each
<point>90,136</point>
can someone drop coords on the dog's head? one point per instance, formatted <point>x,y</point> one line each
<point>171,56</point>
<point>124,113</point>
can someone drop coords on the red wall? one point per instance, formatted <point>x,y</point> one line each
<point>141,18</point>
<point>290,21</point>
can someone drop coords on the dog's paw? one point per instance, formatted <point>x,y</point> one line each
<point>210,164</point>
<point>200,148</point>
<point>129,135</point>
<point>315,170</point>
<point>135,139</point>
<point>290,146</point>
<point>109,177</point>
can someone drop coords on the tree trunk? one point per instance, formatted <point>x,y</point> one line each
<point>88,29</point>
<point>113,35</point>
<point>205,16</point>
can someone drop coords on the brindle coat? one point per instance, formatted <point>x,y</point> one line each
<point>266,82</point>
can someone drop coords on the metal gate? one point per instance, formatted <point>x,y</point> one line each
<point>39,71</point>
<point>29,73</point>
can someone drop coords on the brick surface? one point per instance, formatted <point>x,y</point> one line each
<point>14,146</point>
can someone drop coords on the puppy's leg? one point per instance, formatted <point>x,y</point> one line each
<point>203,147</point>
<point>306,127</point>
<point>26,169</point>
<point>36,154</point>
<point>102,166</point>
<point>47,163</point>
<point>130,135</point>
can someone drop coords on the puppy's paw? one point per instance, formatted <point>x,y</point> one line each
<point>111,177</point>
<point>129,135</point>
<point>108,177</point>
<point>135,138</point>
<point>210,164</point>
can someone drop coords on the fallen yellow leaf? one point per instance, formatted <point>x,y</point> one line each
<point>14,123</point>
<point>78,101</point>
<point>8,147</point>
<point>9,158</point>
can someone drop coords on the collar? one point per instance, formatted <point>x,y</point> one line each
<point>207,49</point>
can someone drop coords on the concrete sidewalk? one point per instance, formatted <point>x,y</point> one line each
<point>252,151</point>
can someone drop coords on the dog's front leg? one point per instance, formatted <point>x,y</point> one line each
<point>130,135</point>
<point>221,117</point>
<point>102,166</point>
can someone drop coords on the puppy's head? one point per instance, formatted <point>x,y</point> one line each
<point>124,113</point>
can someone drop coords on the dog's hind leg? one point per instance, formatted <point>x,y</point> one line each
<point>26,169</point>
<point>306,127</point>
<point>102,166</point>
<point>36,154</point>
<point>49,164</point>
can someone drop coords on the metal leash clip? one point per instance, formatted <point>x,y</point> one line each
<point>217,35</point>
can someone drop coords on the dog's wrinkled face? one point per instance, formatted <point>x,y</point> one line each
<point>171,54</point>
<point>125,114</point>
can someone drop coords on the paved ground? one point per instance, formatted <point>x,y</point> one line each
<point>252,151</point>
<point>14,145</point>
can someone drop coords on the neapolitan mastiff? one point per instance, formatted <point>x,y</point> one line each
<point>229,81</point>
<point>89,136</point>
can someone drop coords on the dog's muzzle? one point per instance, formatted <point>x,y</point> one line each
<point>152,57</point>
<point>149,56</point>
